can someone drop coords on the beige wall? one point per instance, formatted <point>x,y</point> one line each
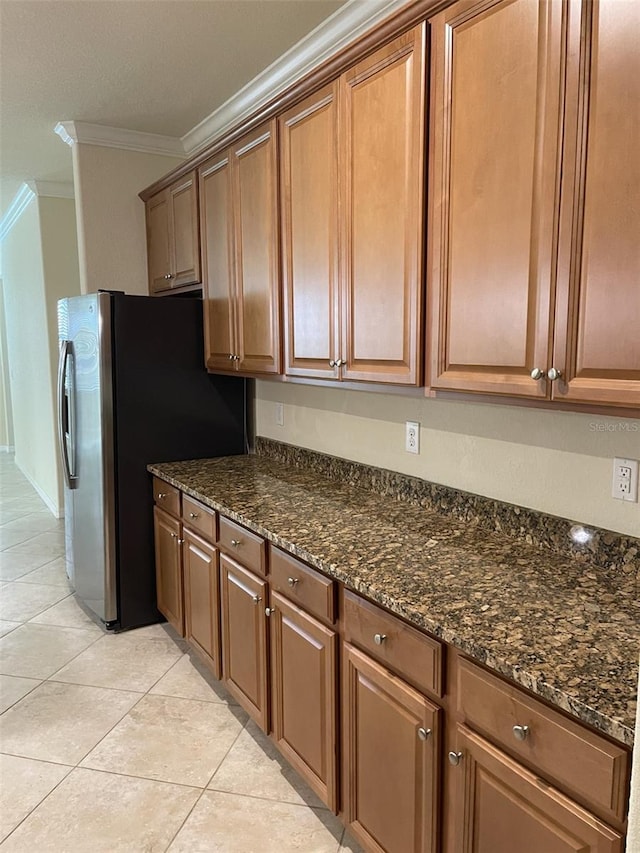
<point>6,421</point>
<point>557,462</point>
<point>111,226</point>
<point>39,266</point>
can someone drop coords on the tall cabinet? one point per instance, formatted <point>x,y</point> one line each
<point>535,129</point>
<point>352,174</point>
<point>239,225</point>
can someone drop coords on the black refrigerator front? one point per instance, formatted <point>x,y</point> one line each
<point>132,389</point>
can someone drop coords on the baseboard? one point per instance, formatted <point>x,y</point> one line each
<point>51,506</point>
<point>6,448</point>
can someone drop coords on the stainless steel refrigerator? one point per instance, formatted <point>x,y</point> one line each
<point>132,389</point>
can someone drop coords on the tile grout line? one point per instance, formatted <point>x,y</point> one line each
<point>40,802</point>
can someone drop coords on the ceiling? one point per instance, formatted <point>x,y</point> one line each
<point>159,66</point>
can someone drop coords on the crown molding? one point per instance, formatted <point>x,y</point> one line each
<point>338,31</point>
<point>52,189</point>
<point>85,133</point>
<point>20,203</point>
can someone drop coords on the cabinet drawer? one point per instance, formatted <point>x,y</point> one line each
<point>561,749</point>
<point>305,586</point>
<point>403,649</point>
<point>166,496</point>
<point>245,546</point>
<point>199,517</point>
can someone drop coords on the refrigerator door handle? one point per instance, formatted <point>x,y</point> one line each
<point>66,416</point>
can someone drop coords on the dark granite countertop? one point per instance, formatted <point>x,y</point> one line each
<point>566,630</point>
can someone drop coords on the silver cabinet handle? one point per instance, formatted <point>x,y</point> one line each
<point>194,514</point>
<point>333,362</point>
<point>257,599</point>
<point>423,734</point>
<point>230,356</point>
<point>455,758</point>
<point>292,581</point>
<point>269,610</point>
<point>236,542</point>
<point>161,495</point>
<point>379,639</point>
<point>340,362</point>
<point>521,732</point>
<point>537,373</point>
<point>173,535</point>
<point>180,541</point>
<point>236,358</point>
<point>168,276</point>
<point>554,374</point>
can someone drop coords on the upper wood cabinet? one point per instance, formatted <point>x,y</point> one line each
<point>173,248</point>
<point>533,262</point>
<point>239,227</point>
<point>352,199</point>
<point>597,331</point>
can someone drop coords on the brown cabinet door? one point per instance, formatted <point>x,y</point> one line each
<point>244,638</point>
<point>495,130</point>
<point>185,242</point>
<point>303,672</point>
<point>169,568</point>
<point>391,772</point>
<point>382,131</point>
<point>309,194</point>
<point>218,264</point>
<point>598,350</point>
<point>255,197</point>
<point>202,599</point>
<point>158,240</point>
<point>499,807</point>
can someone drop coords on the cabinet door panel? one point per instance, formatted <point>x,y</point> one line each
<point>309,191</point>
<point>494,194</point>
<point>501,807</point>
<point>391,775</point>
<point>244,639</point>
<point>383,150</point>
<point>599,270</point>
<point>303,658</point>
<point>254,168</point>
<point>216,224</point>
<point>184,230</point>
<point>202,599</point>
<point>168,568</point>
<point>158,253</point>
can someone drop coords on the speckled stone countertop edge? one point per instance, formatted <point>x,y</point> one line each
<point>527,678</point>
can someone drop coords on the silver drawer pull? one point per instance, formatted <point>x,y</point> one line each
<point>236,542</point>
<point>161,495</point>
<point>455,758</point>
<point>292,581</point>
<point>269,610</point>
<point>180,541</point>
<point>379,639</point>
<point>194,514</point>
<point>257,599</point>
<point>423,734</point>
<point>173,535</point>
<point>521,732</point>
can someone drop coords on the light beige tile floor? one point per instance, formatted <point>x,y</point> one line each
<point>124,742</point>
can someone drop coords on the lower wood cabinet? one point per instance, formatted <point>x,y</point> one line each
<point>500,807</point>
<point>244,638</point>
<point>167,532</point>
<point>202,599</point>
<point>520,778</point>
<point>391,759</point>
<point>304,695</point>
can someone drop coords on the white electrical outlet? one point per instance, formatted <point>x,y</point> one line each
<point>280,414</point>
<point>412,437</point>
<point>624,486</point>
